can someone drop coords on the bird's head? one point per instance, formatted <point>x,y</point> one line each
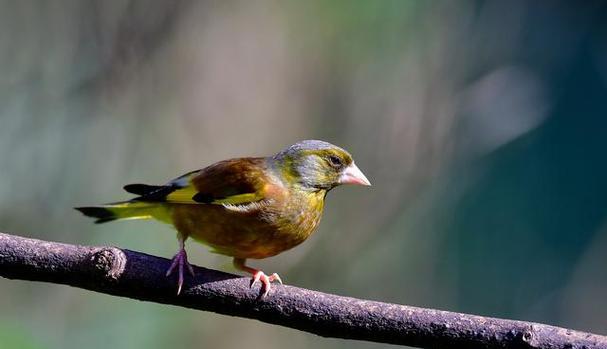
<point>318,165</point>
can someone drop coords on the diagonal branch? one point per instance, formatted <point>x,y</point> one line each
<point>139,276</point>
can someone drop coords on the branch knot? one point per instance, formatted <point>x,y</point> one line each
<point>110,261</point>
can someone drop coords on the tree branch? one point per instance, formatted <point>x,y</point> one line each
<point>139,276</point>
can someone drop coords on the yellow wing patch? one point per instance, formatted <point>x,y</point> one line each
<point>183,196</point>
<point>186,196</point>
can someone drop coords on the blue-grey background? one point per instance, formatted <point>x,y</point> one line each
<point>481,124</point>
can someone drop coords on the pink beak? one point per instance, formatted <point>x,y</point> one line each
<point>353,175</point>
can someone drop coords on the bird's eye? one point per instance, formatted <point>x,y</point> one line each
<point>335,161</point>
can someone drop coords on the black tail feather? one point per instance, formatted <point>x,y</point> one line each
<point>102,214</point>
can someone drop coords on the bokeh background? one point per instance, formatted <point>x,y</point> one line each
<point>481,124</point>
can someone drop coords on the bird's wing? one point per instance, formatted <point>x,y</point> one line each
<point>230,182</point>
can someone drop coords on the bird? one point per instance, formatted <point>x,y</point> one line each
<point>245,208</point>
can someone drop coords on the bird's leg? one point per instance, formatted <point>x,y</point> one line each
<point>180,259</point>
<point>258,276</point>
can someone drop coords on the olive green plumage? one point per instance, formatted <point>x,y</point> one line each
<point>244,207</point>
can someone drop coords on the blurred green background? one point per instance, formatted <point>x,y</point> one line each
<point>481,124</point>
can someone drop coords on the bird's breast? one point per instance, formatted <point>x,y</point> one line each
<point>302,216</point>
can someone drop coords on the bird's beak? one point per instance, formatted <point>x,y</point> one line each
<point>353,175</point>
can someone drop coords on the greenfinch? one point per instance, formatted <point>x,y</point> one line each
<point>253,207</point>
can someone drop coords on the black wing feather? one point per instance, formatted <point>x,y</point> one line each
<point>141,189</point>
<point>150,193</point>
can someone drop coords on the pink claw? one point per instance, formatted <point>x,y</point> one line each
<point>265,280</point>
<point>180,259</point>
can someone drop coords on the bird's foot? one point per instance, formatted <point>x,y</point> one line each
<point>179,261</point>
<point>265,280</point>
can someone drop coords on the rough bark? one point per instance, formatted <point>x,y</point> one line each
<point>139,276</point>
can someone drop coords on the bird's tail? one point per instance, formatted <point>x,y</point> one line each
<point>126,210</point>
